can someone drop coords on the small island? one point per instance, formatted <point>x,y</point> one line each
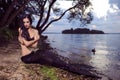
<point>81,31</point>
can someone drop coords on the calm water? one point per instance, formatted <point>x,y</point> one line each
<point>78,47</point>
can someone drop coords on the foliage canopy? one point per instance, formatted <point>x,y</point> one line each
<point>46,11</point>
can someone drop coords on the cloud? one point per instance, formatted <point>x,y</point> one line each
<point>64,4</point>
<point>93,26</point>
<point>100,8</point>
<point>103,7</point>
<point>111,25</point>
<point>117,2</point>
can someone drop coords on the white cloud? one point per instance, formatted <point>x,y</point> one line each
<point>65,4</point>
<point>93,26</point>
<point>102,7</point>
<point>114,8</point>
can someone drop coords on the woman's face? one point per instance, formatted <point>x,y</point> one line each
<point>26,22</point>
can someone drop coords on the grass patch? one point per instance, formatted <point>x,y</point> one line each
<point>49,73</point>
<point>7,33</point>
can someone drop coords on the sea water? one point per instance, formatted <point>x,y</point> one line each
<point>78,47</point>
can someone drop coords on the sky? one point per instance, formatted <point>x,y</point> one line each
<point>106,17</point>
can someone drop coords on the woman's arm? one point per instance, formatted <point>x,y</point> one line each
<point>29,43</point>
<point>19,36</point>
<point>25,50</point>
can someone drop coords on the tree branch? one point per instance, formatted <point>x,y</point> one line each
<point>48,14</point>
<point>57,18</point>
<point>41,14</point>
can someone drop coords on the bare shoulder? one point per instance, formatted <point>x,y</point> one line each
<point>35,30</point>
<point>19,29</point>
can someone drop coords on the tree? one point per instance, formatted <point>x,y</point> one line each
<point>46,10</point>
<point>9,9</point>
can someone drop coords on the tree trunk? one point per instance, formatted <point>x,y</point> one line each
<point>5,17</point>
<point>15,13</point>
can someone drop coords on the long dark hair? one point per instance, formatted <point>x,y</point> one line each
<point>25,33</point>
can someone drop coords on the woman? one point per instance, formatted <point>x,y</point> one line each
<point>28,37</point>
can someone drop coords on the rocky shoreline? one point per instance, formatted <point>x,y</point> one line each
<point>11,67</point>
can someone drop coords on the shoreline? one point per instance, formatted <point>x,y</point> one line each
<point>11,67</point>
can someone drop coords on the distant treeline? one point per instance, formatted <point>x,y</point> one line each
<point>81,31</point>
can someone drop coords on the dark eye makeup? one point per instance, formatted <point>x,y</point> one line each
<point>27,22</point>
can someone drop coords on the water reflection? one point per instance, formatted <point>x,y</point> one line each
<point>100,60</point>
